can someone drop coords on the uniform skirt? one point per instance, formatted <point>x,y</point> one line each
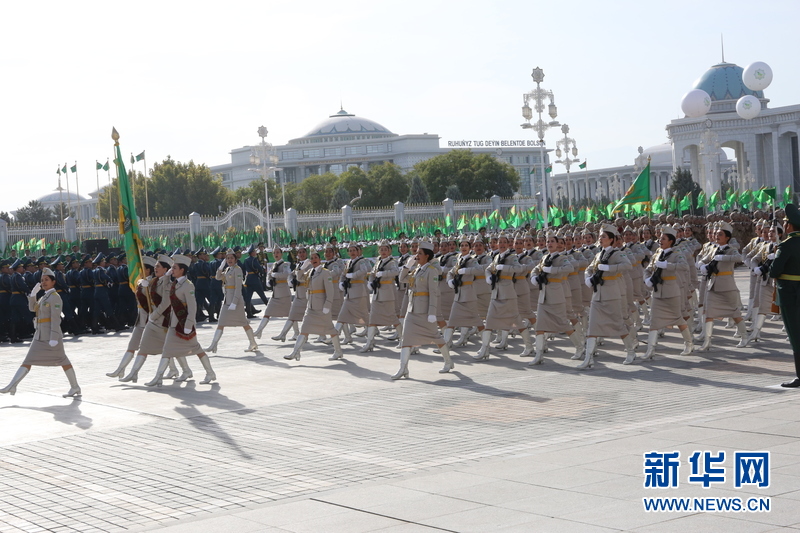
<point>338,300</point>
<point>666,312</point>
<point>399,310</point>
<point>764,301</point>
<point>484,299</point>
<point>175,346</point>
<point>722,304</point>
<point>383,313</point>
<point>464,315</point>
<point>237,317</point>
<point>605,319</point>
<point>41,353</point>
<point>552,318</point>
<point>315,322</point>
<point>152,339</point>
<point>136,338</point>
<point>403,305</point>
<point>298,309</point>
<point>503,314</point>
<point>577,299</point>
<point>534,298</point>
<point>278,307</point>
<point>446,298</point>
<point>355,311</point>
<point>418,331</point>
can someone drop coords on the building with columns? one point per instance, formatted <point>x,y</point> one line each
<point>343,140</point>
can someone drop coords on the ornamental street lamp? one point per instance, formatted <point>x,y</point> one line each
<point>538,97</point>
<point>564,147</point>
<point>261,156</point>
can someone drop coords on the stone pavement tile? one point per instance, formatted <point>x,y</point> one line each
<point>516,468</point>
<point>479,520</point>
<point>349,521</point>
<point>558,503</point>
<point>421,508</point>
<point>571,477</point>
<point>439,483</point>
<point>552,525</point>
<point>783,512</point>
<point>690,432</point>
<point>625,515</point>
<point>628,488</point>
<point>282,514</point>
<point>409,528</point>
<point>623,463</point>
<point>740,422</point>
<point>369,496</point>
<point>219,524</point>
<point>704,522</point>
<point>743,440</point>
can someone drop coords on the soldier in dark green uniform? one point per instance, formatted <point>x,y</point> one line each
<point>786,268</point>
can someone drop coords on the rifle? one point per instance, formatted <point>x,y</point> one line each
<point>655,279</point>
<point>712,267</point>
<point>597,277</point>
<point>271,281</point>
<point>541,277</point>
<point>457,278</point>
<point>375,284</point>
<point>346,283</point>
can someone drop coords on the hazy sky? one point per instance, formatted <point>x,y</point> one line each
<point>195,79</point>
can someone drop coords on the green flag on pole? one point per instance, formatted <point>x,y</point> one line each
<point>548,169</point>
<point>462,222</point>
<point>701,200</point>
<point>582,166</point>
<point>140,156</point>
<point>639,191</point>
<point>105,167</point>
<point>659,206</point>
<point>673,203</point>
<point>99,166</point>
<point>64,169</point>
<point>128,221</point>
<point>686,202</point>
<point>787,195</point>
<point>73,168</point>
<point>713,202</point>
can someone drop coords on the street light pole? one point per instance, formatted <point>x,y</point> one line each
<point>538,97</point>
<point>261,159</point>
<point>567,144</point>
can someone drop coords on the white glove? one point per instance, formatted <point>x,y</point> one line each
<point>36,288</point>
<point>341,286</point>
<point>648,282</point>
<point>232,307</point>
<point>272,274</point>
<point>488,279</point>
<point>326,310</point>
<point>704,269</point>
<point>53,344</point>
<point>109,284</point>
<point>451,284</point>
<point>588,282</point>
<point>379,274</point>
<point>431,318</point>
<point>771,256</point>
<point>547,269</point>
<point>350,275</point>
<point>187,330</point>
<point>757,271</point>
<point>604,268</point>
<point>144,283</point>
<point>661,264</point>
<point>500,267</point>
<point>698,264</point>
<point>461,271</point>
<point>719,257</point>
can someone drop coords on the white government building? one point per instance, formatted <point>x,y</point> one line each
<point>344,140</point>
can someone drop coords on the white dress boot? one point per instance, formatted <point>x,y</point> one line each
<point>295,331</point>
<point>483,353</point>
<point>539,356</point>
<point>186,372</point>
<point>337,350</point>
<point>11,388</point>
<point>526,336</point>
<point>688,342</point>
<point>120,371</point>
<point>405,355</point>
<point>370,345</point>
<point>213,347</point>
<point>701,319</point>
<point>399,330</point>
<point>729,324</point>
<point>361,333</point>
<point>210,374</point>
<point>298,345</point>
<point>348,338</point>
<point>579,342</point>
<point>749,314</point>
<point>502,340</point>
<point>637,319</point>
<point>173,370</point>
<point>134,374</point>
<point>741,329</point>
<point>282,335</point>
<point>588,359</point>
<point>447,335</point>
<point>462,340</point>
<point>261,326</point>
<point>630,349</point>
<point>251,337</point>
<point>708,330</point>
<point>158,379</point>
<point>74,388</point>
<point>646,308</point>
<point>652,342</point>
<point>448,362</point>
<point>757,325</point>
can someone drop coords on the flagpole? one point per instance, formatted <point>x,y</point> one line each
<point>146,198</point>
<point>60,194</point>
<point>110,192</point>
<point>97,167</point>
<point>78,192</point>
<point>66,177</point>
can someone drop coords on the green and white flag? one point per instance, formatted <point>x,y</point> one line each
<point>638,192</point>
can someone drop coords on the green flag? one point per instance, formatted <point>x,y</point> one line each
<point>771,192</point>
<point>713,202</point>
<point>639,191</point>
<point>673,203</point>
<point>701,200</point>
<point>64,169</point>
<point>745,199</point>
<point>686,202</point>
<point>531,171</point>
<point>105,167</point>
<point>659,206</point>
<point>787,195</point>
<point>548,169</point>
<point>128,221</point>
<point>448,222</point>
<point>582,166</point>
<point>133,160</point>
<point>475,223</point>
<point>73,168</point>
<point>462,222</point>
<point>99,166</point>
<point>140,156</point>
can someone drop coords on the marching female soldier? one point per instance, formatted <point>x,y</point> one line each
<point>181,340</point>
<point>381,282</point>
<point>461,279</point>
<point>606,315</point>
<point>299,283</point>
<point>333,262</point>
<point>278,280</point>
<point>47,346</point>
<point>401,298</point>
<point>419,326</point>
<point>722,294</point>
<point>317,318</point>
<point>483,291</point>
<point>355,309</point>
<point>662,277</point>
<point>232,311</point>
<point>523,285</point>
<point>761,263</point>
<point>446,295</point>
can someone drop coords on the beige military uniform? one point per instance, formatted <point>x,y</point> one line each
<point>606,311</point>
<point>232,280</point>
<point>281,301</point>
<point>155,332</point>
<point>551,314</point>
<point>383,311</point>
<point>722,294</point>
<point>423,288</point>
<point>667,305</point>
<point>355,309</point>
<point>464,312</point>
<point>503,313</point>
<point>48,328</point>
<point>175,345</point>
<point>321,294</point>
<point>298,309</point>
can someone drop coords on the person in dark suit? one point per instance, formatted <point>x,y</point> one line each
<point>786,269</point>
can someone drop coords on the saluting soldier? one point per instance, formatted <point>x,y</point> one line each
<point>785,269</point>
<point>763,258</point>
<point>232,311</point>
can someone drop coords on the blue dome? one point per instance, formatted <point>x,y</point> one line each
<point>344,123</point>
<point>724,82</point>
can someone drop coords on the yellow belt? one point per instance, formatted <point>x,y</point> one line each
<point>316,292</point>
<point>280,281</point>
<point>15,292</point>
<point>356,281</point>
<point>202,277</point>
<point>789,277</point>
<point>615,276</point>
<point>727,273</point>
<point>99,285</point>
<point>86,286</point>
<point>573,273</point>
<point>230,286</point>
<point>251,272</point>
<point>466,282</point>
<point>506,277</point>
<point>420,293</point>
<point>386,281</point>
<point>669,278</point>
<point>556,280</point>
<point>41,320</point>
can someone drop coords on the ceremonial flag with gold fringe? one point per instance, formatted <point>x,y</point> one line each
<point>639,191</point>
<point>128,221</point>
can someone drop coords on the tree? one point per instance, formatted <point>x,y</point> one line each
<point>340,198</point>
<point>5,216</point>
<point>354,180</point>
<point>253,193</point>
<point>683,184</point>
<point>391,185</point>
<point>477,176</point>
<point>314,193</point>
<point>418,193</point>
<point>35,213</point>
<point>453,192</point>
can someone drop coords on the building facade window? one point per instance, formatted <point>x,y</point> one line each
<point>310,153</point>
<point>290,154</point>
<point>352,150</point>
<point>333,151</point>
<point>373,148</point>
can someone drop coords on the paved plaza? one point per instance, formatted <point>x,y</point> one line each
<point>321,446</point>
